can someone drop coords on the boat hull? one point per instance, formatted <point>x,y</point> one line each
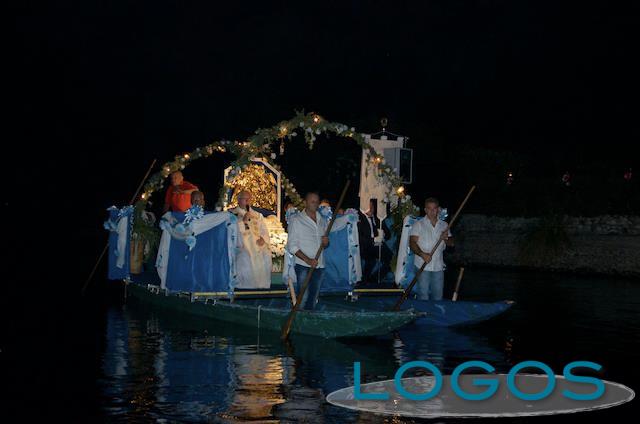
<point>437,313</point>
<point>328,321</point>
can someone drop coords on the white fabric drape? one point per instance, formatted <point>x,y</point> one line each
<point>405,256</point>
<point>123,225</point>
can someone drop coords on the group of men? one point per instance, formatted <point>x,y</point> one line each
<point>306,233</point>
<point>253,261</point>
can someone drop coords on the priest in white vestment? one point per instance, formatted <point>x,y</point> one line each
<point>253,263</point>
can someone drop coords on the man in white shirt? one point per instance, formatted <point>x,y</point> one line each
<point>424,235</point>
<point>306,235</point>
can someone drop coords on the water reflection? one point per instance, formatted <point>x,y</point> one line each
<point>167,366</point>
<point>173,367</point>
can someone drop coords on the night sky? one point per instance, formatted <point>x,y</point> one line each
<point>99,89</point>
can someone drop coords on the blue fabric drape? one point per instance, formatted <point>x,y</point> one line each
<point>203,269</point>
<point>336,262</point>
<point>115,273</point>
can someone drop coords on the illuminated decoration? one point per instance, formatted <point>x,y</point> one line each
<point>509,178</point>
<point>256,179</point>
<point>260,145</point>
<point>566,179</point>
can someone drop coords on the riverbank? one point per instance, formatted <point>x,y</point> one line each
<point>607,245</point>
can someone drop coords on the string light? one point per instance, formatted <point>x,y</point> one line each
<point>316,119</point>
<point>400,190</point>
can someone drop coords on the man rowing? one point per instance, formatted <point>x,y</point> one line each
<point>306,234</point>
<point>423,237</point>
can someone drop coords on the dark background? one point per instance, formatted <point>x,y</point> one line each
<point>99,89</point>
<point>95,90</point>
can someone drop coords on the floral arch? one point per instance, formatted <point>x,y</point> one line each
<point>267,143</point>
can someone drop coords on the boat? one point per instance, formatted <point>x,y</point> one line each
<point>436,313</point>
<point>328,320</point>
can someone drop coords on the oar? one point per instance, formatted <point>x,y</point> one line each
<point>405,293</point>
<point>104,250</point>
<point>286,328</point>
<point>292,291</point>
<point>455,291</point>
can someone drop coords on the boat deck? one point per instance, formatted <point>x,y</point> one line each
<point>277,289</point>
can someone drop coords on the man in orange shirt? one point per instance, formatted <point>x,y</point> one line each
<point>178,197</point>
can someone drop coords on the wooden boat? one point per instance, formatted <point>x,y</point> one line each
<point>437,313</point>
<point>270,313</point>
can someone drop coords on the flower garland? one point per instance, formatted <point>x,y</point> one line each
<point>261,144</point>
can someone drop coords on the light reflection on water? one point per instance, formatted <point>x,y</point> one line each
<point>166,366</point>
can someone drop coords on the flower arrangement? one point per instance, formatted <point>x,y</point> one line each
<point>278,244</point>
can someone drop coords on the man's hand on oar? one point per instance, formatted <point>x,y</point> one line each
<point>405,293</point>
<point>426,257</point>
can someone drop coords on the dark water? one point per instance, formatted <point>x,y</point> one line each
<point>139,365</point>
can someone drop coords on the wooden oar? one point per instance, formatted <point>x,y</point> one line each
<point>292,291</point>
<point>405,293</point>
<point>286,328</point>
<point>106,247</point>
<point>455,291</point>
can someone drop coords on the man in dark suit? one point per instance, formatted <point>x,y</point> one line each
<point>368,227</point>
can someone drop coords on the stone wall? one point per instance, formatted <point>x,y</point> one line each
<point>603,244</point>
